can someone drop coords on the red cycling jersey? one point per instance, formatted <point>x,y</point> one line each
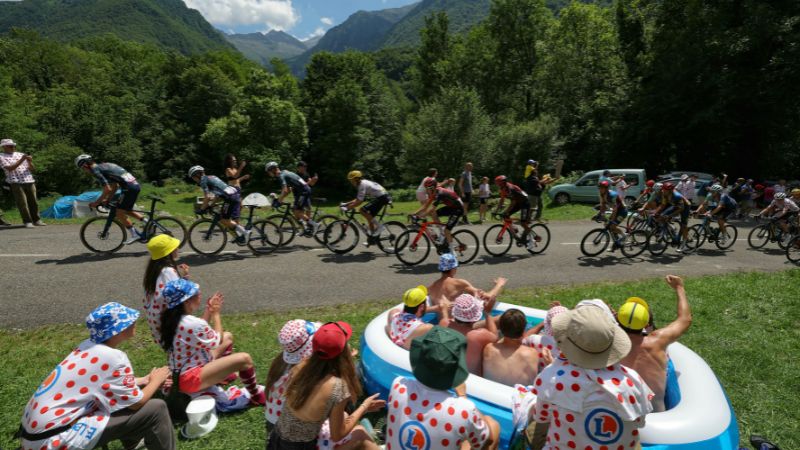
<point>512,190</point>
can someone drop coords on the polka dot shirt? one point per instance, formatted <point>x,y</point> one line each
<point>401,327</point>
<point>155,304</point>
<point>193,343</point>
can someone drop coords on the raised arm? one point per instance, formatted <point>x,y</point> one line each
<point>672,332</point>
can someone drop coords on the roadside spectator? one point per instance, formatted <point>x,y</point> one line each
<point>442,292</point>
<point>467,312</point>
<point>780,187</point>
<point>484,192</point>
<point>234,170</point>
<point>92,397</point>
<point>687,188</point>
<point>648,355</point>
<point>534,187</point>
<point>19,175</point>
<point>406,324</point>
<point>541,338</point>
<point>321,387</point>
<point>465,189</point>
<point>302,172</point>
<point>449,183</point>
<point>424,413</point>
<point>162,267</point>
<point>590,400</point>
<point>509,361</point>
<point>422,193</point>
<point>759,196</point>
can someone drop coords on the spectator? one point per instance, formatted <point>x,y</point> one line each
<point>442,292</point>
<point>590,400</point>
<point>648,355</point>
<point>484,192</point>
<point>422,193</point>
<point>541,338</point>
<point>19,175</point>
<point>320,388</point>
<point>465,188</point>
<point>508,361</point>
<point>161,269</point>
<point>780,187</point>
<point>449,183</point>
<point>233,171</point>
<point>534,187</point>
<point>467,312</point>
<point>406,324</point>
<point>687,188</point>
<point>92,397</point>
<point>423,412</point>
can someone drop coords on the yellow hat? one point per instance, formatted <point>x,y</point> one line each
<point>634,314</point>
<point>162,245</point>
<point>415,296</point>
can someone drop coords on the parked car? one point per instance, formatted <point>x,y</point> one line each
<point>700,186</point>
<point>677,174</point>
<point>585,189</point>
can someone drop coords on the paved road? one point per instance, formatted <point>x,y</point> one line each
<point>48,276</point>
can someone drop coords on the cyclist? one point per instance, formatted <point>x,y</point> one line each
<point>519,202</point>
<point>231,196</point>
<point>368,189</point>
<point>654,200</point>
<point>453,207</point>
<point>672,205</point>
<point>113,177</point>
<point>645,195</point>
<point>782,210</point>
<point>720,206</point>
<point>612,199</point>
<point>291,182</point>
<point>796,195</point>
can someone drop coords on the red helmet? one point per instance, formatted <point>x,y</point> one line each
<point>668,187</point>
<point>604,184</point>
<point>759,187</point>
<point>500,179</point>
<point>429,182</point>
<point>650,183</point>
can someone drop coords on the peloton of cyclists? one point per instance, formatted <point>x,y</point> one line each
<point>781,210</point>
<point>453,207</point>
<point>519,202</point>
<point>291,182</point>
<point>215,191</point>
<point>379,198</point>
<point>720,206</point>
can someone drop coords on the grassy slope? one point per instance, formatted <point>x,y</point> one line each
<point>745,326</point>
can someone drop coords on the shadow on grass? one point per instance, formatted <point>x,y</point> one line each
<point>90,257</point>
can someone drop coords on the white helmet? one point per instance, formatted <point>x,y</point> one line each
<point>780,196</point>
<point>195,169</point>
<point>715,188</point>
<point>81,160</point>
<point>657,187</point>
<point>271,165</point>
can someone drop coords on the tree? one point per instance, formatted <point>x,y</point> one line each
<point>430,70</point>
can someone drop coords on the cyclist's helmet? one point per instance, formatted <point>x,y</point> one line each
<point>668,187</point>
<point>780,196</point>
<point>194,169</point>
<point>604,184</point>
<point>796,191</point>
<point>650,183</point>
<point>759,187</point>
<point>355,175</point>
<point>715,188</point>
<point>532,162</point>
<point>429,183</point>
<point>658,186</point>
<point>500,179</point>
<point>271,165</point>
<point>82,160</point>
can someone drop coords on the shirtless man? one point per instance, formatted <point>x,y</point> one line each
<point>467,311</point>
<point>443,292</point>
<point>508,361</point>
<point>648,354</point>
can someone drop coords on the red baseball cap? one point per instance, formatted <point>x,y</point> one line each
<point>331,339</point>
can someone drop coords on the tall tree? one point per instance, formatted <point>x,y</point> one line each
<point>430,70</point>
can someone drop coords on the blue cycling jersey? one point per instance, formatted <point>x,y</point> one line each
<point>212,184</point>
<point>292,180</point>
<point>676,199</point>
<point>107,173</point>
<point>613,198</point>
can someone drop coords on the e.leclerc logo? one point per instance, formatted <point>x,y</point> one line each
<point>414,436</point>
<point>603,426</point>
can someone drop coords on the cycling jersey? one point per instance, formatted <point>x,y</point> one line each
<point>613,198</point>
<point>370,189</point>
<point>676,200</point>
<point>293,181</point>
<point>655,197</point>
<point>107,173</point>
<point>515,192</point>
<point>726,201</point>
<point>212,184</point>
<point>787,205</point>
<point>447,197</point>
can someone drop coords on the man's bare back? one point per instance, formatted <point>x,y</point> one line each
<point>510,364</point>
<point>448,289</point>
<point>650,361</point>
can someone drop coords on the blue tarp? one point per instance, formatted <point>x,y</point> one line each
<point>62,208</point>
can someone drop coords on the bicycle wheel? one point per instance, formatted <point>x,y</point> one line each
<point>412,247</point>
<point>98,239</point>
<point>497,241</point>
<point>467,245</point>
<point>700,231</point>
<point>759,236</point>
<point>207,238</point>
<point>541,239</point>
<point>692,240</point>
<point>323,222</point>
<point>288,226</point>
<point>166,225</point>
<point>731,234</point>
<point>341,236</point>
<point>387,238</point>
<point>658,241</point>
<point>783,239</point>
<point>595,242</point>
<point>265,237</point>
<point>793,250</point>
<point>635,244</point>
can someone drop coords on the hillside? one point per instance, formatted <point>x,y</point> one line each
<point>261,48</point>
<point>463,14</point>
<point>166,23</point>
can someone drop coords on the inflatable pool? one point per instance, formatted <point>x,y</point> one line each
<point>699,414</point>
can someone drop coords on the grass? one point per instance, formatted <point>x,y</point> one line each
<point>180,199</point>
<point>745,326</point>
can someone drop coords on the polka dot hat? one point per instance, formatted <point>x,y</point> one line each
<point>467,308</point>
<point>295,338</point>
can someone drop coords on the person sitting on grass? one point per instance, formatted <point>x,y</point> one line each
<point>467,312</point>
<point>424,413</point>
<point>321,387</point>
<point>648,355</point>
<point>93,397</point>
<point>406,324</point>
<point>195,348</point>
<point>508,361</point>
<point>442,292</point>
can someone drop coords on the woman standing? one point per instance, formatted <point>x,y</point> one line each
<point>320,388</point>
<point>233,171</point>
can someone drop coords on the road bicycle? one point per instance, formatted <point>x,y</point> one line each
<point>208,236</point>
<point>414,245</point>
<point>107,234</point>
<point>666,234</point>
<point>291,227</point>
<point>708,230</point>
<point>596,241</point>
<point>640,221</point>
<point>771,232</point>
<point>343,235</point>
<point>499,238</point>
<point>793,250</point>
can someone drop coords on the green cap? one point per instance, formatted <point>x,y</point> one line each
<point>439,358</point>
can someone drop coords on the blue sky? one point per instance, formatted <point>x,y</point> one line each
<point>301,18</point>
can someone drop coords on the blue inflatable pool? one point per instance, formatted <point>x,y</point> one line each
<point>699,415</point>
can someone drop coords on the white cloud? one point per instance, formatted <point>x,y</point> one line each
<point>318,32</point>
<point>326,21</point>
<point>275,14</point>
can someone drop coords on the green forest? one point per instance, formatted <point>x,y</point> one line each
<point>660,84</point>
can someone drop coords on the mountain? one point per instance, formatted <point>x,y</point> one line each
<point>261,48</point>
<point>463,14</point>
<point>166,23</point>
<point>311,43</point>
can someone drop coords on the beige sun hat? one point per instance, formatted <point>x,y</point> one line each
<point>589,339</point>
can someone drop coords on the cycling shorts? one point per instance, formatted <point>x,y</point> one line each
<point>684,216</point>
<point>232,208</point>
<point>524,208</point>
<point>622,214</point>
<point>453,214</point>
<point>376,204</point>
<point>127,200</point>
<point>724,213</point>
<point>302,200</point>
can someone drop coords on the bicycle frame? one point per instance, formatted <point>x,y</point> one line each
<point>112,214</point>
